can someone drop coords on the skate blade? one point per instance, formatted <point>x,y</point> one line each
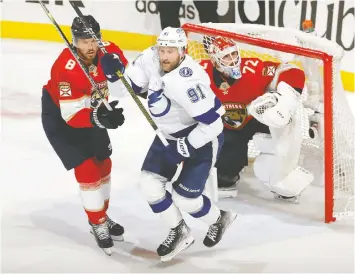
<point>232,193</point>
<point>232,218</point>
<point>108,251</point>
<point>119,238</point>
<point>291,200</point>
<point>181,247</point>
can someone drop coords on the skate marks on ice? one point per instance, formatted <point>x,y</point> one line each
<point>53,234</point>
<point>21,87</point>
<point>47,234</point>
<point>310,206</point>
<point>18,104</point>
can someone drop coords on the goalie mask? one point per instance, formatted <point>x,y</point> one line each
<point>225,56</point>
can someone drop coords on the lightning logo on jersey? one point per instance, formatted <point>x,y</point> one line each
<point>158,103</point>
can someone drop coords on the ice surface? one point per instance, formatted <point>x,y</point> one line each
<point>44,227</point>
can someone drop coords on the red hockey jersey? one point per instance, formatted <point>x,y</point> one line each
<point>70,89</point>
<point>257,77</point>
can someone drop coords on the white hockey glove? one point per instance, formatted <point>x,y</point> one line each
<point>275,109</point>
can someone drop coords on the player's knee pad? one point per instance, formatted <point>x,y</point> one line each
<point>152,186</point>
<point>196,207</point>
<point>263,166</point>
<point>105,171</point>
<point>105,167</point>
<point>88,172</point>
<point>189,191</point>
<point>89,177</point>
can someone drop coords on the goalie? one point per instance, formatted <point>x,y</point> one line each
<point>259,97</point>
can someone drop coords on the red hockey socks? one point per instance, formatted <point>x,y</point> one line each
<point>94,178</point>
<point>105,171</point>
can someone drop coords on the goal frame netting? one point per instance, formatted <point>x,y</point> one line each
<point>209,29</point>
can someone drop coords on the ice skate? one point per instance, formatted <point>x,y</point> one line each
<point>102,237</point>
<point>116,230</point>
<point>216,230</point>
<point>227,186</point>
<point>179,239</point>
<point>228,192</point>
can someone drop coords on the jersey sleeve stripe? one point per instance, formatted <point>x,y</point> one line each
<point>69,108</point>
<point>208,117</point>
<point>184,132</point>
<point>212,115</point>
<point>136,89</point>
<point>217,103</point>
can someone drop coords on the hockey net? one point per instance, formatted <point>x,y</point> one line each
<point>329,154</point>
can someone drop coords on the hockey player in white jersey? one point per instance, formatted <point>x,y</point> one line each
<point>188,113</point>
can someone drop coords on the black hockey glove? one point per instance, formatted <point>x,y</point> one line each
<point>111,63</point>
<point>103,118</point>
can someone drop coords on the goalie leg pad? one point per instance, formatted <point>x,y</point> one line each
<point>264,142</point>
<point>294,183</point>
<point>263,167</point>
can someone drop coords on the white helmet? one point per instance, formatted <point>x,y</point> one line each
<point>222,47</point>
<point>173,37</point>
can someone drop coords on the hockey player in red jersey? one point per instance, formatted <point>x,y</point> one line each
<point>76,122</point>
<point>259,97</point>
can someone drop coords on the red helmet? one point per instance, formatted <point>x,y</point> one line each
<point>225,53</point>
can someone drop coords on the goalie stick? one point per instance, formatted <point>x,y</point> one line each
<point>123,79</point>
<point>76,56</point>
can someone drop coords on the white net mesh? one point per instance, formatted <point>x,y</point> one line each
<point>336,148</point>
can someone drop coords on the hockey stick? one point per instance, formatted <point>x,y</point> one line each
<point>123,79</point>
<point>211,188</point>
<point>76,56</point>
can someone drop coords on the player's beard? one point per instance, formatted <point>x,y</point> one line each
<point>169,66</point>
<point>87,56</point>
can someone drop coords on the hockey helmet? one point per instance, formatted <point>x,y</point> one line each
<point>226,54</point>
<point>173,37</point>
<point>79,30</point>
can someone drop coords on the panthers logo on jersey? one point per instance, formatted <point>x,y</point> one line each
<point>236,114</point>
<point>96,96</point>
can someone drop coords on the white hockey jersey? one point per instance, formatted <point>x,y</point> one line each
<point>180,102</point>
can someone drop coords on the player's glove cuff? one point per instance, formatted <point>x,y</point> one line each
<point>95,119</point>
<point>101,117</point>
<point>179,151</point>
<point>111,64</point>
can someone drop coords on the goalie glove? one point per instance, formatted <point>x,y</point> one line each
<point>275,109</point>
